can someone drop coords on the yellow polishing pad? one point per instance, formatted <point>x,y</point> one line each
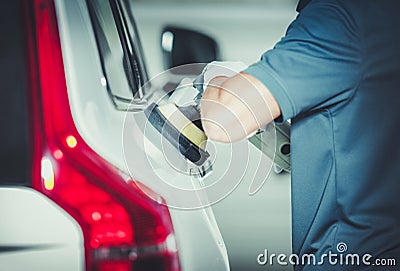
<point>185,126</point>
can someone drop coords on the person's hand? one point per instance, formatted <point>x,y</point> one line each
<point>233,108</point>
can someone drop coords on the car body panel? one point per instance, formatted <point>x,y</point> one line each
<point>200,244</point>
<point>36,234</point>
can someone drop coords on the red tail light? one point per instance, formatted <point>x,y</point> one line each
<point>123,229</point>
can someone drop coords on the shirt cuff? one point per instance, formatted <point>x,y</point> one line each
<point>267,76</point>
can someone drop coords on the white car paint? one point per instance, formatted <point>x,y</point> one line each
<point>35,229</point>
<point>200,244</point>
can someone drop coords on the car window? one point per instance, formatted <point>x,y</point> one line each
<point>15,152</point>
<point>118,49</point>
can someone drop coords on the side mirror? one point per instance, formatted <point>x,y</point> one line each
<point>183,46</point>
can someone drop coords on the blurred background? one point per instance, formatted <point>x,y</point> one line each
<point>243,30</point>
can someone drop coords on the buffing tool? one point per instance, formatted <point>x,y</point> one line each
<point>181,126</point>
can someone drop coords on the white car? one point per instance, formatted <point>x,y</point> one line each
<point>67,201</point>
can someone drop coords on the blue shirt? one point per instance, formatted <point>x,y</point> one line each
<point>336,74</point>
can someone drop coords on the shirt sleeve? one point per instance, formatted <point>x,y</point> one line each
<point>317,63</point>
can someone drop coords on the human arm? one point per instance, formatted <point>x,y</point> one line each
<point>317,65</point>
